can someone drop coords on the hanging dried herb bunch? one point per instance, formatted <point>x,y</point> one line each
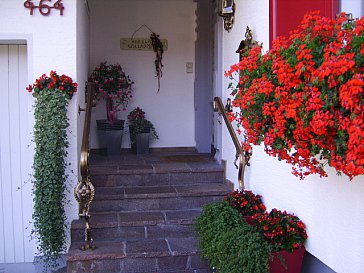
<point>158,49</point>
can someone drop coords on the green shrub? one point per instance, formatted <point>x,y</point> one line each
<point>229,243</point>
<point>49,176</point>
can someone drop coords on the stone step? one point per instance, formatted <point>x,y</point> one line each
<point>143,213</point>
<point>142,256</point>
<point>156,197</point>
<point>173,203</point>
<point>102,179</point>
<point>151,192</point>
<point>137,225</point>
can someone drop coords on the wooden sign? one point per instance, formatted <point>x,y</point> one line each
<point>144,44</point>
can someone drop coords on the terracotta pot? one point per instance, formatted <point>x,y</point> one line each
<point>292,261</point>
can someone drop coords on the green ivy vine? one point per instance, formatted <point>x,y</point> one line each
<point>49,172</point>
<point>49,180</point>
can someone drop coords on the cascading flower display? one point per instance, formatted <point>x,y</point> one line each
<point>52,94</point>
<point>304,98</point>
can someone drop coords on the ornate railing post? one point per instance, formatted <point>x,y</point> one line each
<point>85,191</point>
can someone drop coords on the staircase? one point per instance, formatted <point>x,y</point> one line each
<point>143,213</point>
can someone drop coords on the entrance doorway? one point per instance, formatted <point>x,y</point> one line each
<point>206,20</point>
<point>15,195</point>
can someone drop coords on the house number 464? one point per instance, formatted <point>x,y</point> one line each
<point>43,8</point>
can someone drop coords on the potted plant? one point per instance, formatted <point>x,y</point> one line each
<point>304,98</point>
<point>286,233</point>
<point>246,202</point>
<point>113,86</point>
<point>141,130</point>
<point>229,243</point>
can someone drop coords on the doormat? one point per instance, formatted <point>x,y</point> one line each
<point>182,158</point>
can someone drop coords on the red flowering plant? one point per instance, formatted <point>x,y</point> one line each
<point>52,83</point>
<point>284,231</point>
<point>139,124</point>
<point>136,114</point>
<point>112,85</point>
<point>304,98</point>
<point>246,202</point>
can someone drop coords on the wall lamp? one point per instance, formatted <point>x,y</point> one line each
<point>227,11</point>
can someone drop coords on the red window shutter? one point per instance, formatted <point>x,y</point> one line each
<point>285,15</point>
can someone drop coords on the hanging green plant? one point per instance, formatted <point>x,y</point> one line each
<point>52,95</point>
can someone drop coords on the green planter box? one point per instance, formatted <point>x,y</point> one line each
<point>140,142</point>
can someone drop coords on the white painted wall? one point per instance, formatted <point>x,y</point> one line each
<point>172,109</point>
<point>51,45</point>
<point>332,208</point>
<point>255,14</point>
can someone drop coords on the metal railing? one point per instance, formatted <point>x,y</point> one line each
<point>85,191</point>
<point>240,154</point>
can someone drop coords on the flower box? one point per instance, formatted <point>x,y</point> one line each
<point>290,262</point>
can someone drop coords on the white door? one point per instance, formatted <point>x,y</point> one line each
<point>15,157</point>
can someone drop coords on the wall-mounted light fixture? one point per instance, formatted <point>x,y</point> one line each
<point>227,11</point>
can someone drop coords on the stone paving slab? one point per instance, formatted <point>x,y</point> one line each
<point>169,230</point>
<point>183,246</point>
<point>98,221</point>
<point>94,266</point>
<point>198,190</point>
<point>182,216</point>
<point>145,265</point>
<point>115,234</point>
<point>173,263</point>
<point>147,248</point>
<point>171,167</point>
<point>163,191</point>
<point>140,218</point>
<point>104,250</point>
<point>150,192</point>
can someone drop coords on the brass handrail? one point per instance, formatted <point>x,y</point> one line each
<point>240,154</point>
<point>85,191</point>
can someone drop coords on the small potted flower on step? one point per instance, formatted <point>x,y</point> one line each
<point>141,130</point>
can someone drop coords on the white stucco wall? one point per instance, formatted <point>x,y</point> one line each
<point>332,208</point>
<point>172,109</point>
<point>51,45</point>
<point>254,14</point>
